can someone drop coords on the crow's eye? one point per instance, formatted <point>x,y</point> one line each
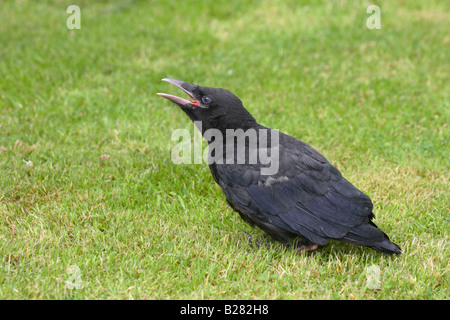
<point>206,99</point>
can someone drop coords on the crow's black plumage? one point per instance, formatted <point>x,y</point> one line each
<point>306,200</point>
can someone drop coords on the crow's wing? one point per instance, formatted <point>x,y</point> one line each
<point>307,196</point>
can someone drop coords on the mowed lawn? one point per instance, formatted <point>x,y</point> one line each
<point>92,207</point>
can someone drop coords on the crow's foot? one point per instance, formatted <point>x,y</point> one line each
<point>306,248</point>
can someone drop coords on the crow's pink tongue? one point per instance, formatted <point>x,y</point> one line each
<point>179,101</point>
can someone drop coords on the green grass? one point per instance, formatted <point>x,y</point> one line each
<point>374,102</point>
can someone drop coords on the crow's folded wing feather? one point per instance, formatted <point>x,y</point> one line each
<point>308,196</point>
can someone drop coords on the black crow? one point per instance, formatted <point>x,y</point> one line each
<point>300,200</point>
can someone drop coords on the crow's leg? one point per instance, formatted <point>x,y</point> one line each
<point>299,245</point>
<point>268,245</point>
<point>257,243</point>
<point>250,240</point>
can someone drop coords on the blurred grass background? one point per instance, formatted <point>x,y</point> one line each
<point>86,175</point>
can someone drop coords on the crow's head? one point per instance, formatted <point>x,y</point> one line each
<point>215,107</point>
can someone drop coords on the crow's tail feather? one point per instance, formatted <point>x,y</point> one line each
<point>368,234</point>
<point>386,246</point>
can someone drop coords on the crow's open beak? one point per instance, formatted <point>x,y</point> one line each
<point>186,87</point>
